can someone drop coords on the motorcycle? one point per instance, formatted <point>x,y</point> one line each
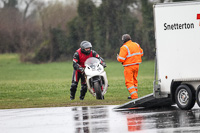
<point>96,78</point>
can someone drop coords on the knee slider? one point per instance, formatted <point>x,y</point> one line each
<point>84,86</point>
<point>74,86</point>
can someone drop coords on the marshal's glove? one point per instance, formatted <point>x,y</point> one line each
<point>117,56</point>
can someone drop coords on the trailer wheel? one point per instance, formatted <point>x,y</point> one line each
<point>198,96</point>
<point>184,97</point>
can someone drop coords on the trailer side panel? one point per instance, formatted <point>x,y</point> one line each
<point>177,31</point>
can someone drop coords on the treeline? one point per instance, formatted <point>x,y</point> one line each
<point>45,32</point>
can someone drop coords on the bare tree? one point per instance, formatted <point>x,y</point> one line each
<point>55,17</point>
<point>26,25</point>
<point>9,25</point>
<point>27,5</point>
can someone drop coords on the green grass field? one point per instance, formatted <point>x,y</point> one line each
<point>26,85</point>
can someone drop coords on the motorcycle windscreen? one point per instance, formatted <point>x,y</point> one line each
<point>92,61</point>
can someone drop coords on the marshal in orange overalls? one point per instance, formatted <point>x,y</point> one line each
<point>130,56</point>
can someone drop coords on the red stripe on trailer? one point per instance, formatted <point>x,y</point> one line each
<point>198,16</point>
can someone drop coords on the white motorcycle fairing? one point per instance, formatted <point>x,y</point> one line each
<point>94,72</point>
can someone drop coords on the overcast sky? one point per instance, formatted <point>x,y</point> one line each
<point>65,1</point>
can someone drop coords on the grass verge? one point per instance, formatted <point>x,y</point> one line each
<point>25,85</point>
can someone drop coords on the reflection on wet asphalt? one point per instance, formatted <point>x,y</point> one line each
<point>99,119</point>
<point>91,119</point>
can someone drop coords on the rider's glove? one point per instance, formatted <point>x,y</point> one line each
<point>81,69</point>
<point>103,64</point>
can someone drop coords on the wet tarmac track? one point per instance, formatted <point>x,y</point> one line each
<point>99,119</point>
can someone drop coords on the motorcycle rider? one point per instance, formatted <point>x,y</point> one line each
<point>80,56</point>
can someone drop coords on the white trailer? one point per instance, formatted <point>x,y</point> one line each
<point>177,71</point>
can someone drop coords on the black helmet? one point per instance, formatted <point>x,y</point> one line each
<point>84,45</point>
<point>125,38</point>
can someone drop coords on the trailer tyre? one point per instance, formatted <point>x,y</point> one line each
<point>198,96</point>
<point>184,97</point>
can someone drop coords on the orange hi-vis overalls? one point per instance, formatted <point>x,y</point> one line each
<point>130,55</point>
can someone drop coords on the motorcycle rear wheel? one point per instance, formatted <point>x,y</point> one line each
<point>98,91</point>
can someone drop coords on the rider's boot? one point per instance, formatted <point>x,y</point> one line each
<point>72,96</point>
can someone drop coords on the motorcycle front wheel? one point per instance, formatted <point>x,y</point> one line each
<point>98,91</point>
